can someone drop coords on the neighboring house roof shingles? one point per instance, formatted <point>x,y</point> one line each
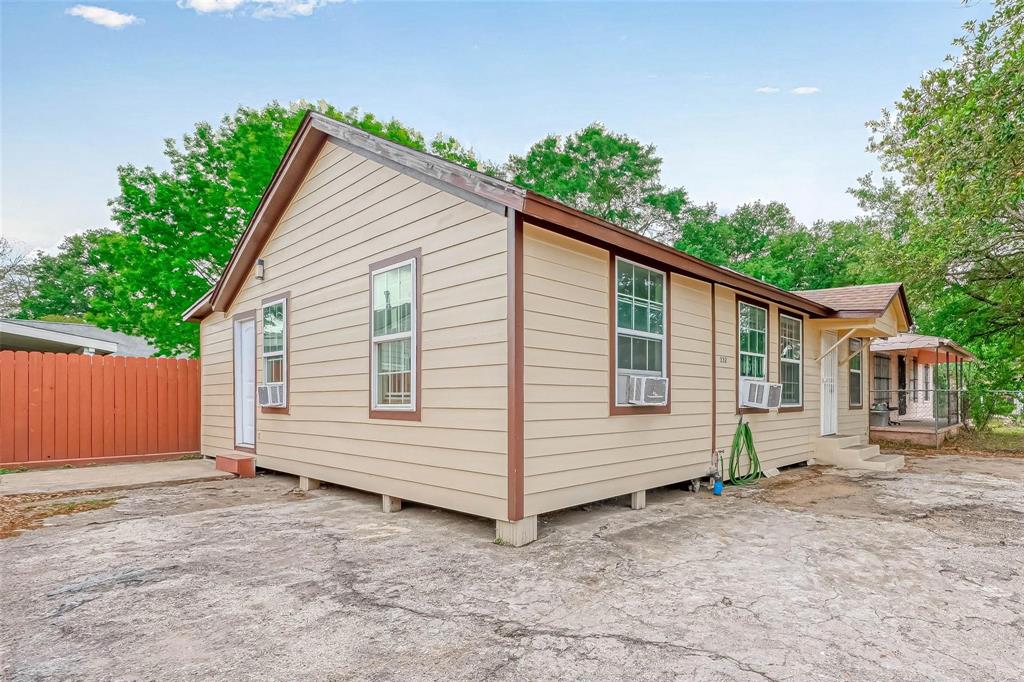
<point>131,346</point>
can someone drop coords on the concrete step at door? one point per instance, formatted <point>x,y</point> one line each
<point>886,462</point>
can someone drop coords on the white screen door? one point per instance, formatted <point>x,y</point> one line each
<point>245,382</point>
<point>829,372</point>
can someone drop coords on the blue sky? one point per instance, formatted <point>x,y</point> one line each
<point>80,97</point>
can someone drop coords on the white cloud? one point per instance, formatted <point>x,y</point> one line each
<point>103,17</point>
<point>766,90</point>
<point>259,9</point>
<point>805,90</point>
<point>208,6</point>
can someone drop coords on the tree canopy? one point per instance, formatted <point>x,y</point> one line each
<point>946,217</point>
<point>176,227</point>
<point>954,212</point>
<point>606,174</point>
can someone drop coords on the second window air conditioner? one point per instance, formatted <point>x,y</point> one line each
<point>270,395</point>
<point>754,393</point>
<point>643,390</point>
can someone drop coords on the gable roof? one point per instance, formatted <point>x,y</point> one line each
<point>863,300</point>
<point>496,195</point>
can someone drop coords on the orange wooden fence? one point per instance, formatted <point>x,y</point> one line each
<point>68,408</point>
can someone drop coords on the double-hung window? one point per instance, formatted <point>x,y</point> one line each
<point>640,324</point>
<point>856,373</point>
<point>275,342</point>
<point>791,374</point>
<point>753,333</point>
<point>393,336</point>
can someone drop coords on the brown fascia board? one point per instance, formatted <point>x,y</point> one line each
<point>303,150</point>
<point>469,184</point>
<point>200,309</point>
<point>906,305</point>
<point>553,214</point>
<point>490,192</point>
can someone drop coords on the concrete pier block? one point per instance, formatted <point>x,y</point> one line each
<point>306,483</point>
<point>638,500</point>
<point>516,533</point>
<point>390,504</point>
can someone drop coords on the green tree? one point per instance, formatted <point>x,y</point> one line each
<point>15,277</point>
<point>765,241</point>
<point>606,174</point>
<point>177,227</point>
<point>954,218</point>
<point>957,142</point>
<point>64,285</point>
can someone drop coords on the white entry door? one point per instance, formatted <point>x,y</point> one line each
<point>245,382</point>
<point>829,388</point>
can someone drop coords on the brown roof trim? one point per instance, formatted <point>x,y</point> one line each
<point>600,232</point>
<point>200,309</point>
<point>316,129</point>
<point>831,297</point>
<point>491,193</point>
<point>902,293</point>
<point>303,150</point>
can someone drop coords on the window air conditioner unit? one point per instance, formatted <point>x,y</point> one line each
<point>760,394</point>
<point>647,390</point>
<point>270,395</point>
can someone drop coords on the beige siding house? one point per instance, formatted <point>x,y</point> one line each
<point>421,331</point>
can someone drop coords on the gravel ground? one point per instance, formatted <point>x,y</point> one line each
<point>815,574</point>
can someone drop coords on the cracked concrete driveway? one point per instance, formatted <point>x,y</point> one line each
<point>816,574</point>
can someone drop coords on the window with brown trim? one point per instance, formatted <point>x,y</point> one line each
<point>752,330</point>
<point>856,373</point>
<point>752,335</point>
<point>641,327</point>
<point>791,360</point>
<point>395,319</point>
<point>274,352</point>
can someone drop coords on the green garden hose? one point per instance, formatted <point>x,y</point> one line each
<point>743,446</point>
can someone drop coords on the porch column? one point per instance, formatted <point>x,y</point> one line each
<point>949,416</point>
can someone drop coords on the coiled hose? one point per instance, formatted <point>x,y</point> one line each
<point>743,447</point>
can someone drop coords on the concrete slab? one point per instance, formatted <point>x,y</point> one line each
<point>110,477</point>
<point>816,574</point>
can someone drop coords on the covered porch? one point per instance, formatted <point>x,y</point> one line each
<point>917,386</point>
<point>862,313</point>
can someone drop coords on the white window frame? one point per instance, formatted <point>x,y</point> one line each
<point>799,363</point>
<point>739,334</point>
<point>283,353</point>
<point>375,341</point>
<point>663,337</point>
<point>860,372</point>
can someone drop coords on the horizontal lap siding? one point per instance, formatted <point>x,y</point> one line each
<point>575,452</point>
<point>854,422</point>
<point>780,437</point>
<point>351,212</point>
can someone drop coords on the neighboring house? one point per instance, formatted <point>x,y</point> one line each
<point>67,337</point>
<point>916,388</point>
<point>440,336</point>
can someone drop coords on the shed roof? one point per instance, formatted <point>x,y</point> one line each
<point>919,341</point>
